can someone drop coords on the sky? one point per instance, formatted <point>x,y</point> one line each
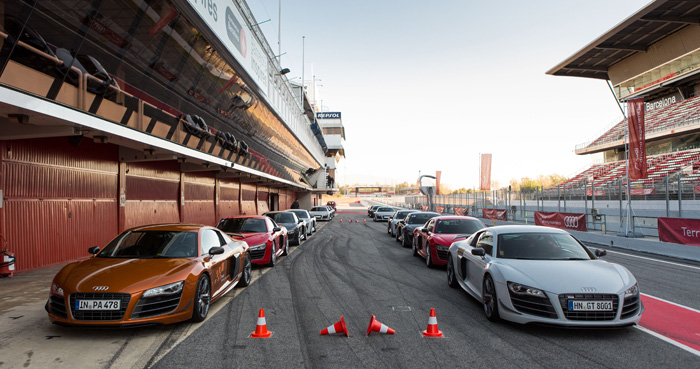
<point>428,86</point>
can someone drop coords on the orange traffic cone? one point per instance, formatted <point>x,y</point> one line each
<point>261,328</point>
<point>376,326</point>
<point>339,327</point>
<point>432,330</point>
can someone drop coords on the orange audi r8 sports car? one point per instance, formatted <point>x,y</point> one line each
<point>158,274</point>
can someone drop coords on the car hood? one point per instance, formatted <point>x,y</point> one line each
<point>255,238</point>
<point>445,238</point>
<point>568,276</point>
<point>289,226</point>
<point>123,275</point>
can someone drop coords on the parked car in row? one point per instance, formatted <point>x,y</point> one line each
<point>321,213</point>
<point>534,274</point>
<point>383,213</point>
<point>332,204</point>
<point>267,240</point>
<point>158,274</point>
<point>405,227</point>
<point>371,209</point>
<point>296,232</point>
<point>398,215</point>
<point>432,240</point>
<point>309,221</point>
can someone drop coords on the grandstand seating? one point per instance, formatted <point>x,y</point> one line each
<point>658,167</point>
<point>662,119</point>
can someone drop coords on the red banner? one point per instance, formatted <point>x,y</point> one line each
<point>576,222</point>
<point>485,172</point>
<point>460,211</point>
<point>496,214</point>
<point>424,207</point>
<point>163,21</point>
<point>696,189</point>
<point>440,209</point>
<point>680,230</point>
<point>642,191</point>
<point>637,147</point>
<point>597,192</point>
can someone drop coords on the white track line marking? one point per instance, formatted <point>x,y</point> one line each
<point>652,259</point>
<point>666,339</point>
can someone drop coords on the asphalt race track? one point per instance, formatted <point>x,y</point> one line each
<point>357,270</point>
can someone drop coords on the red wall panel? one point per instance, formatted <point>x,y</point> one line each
<point>152,193</point>
<point>248,207</point>
<point>200,212</point>
<point>144,212</point>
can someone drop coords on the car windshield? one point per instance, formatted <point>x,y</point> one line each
<point>239,225</point>
<point>152,244</point>
<point>402,214</point>
<point>420,218</point>
<point>454,226</point>
<point>282,217</point>
<point>385,210</point>
<point>541,246</point>
<point>318,208</point>
<point>300,213</point>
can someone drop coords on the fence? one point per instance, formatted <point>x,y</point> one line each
<point>605,206</point>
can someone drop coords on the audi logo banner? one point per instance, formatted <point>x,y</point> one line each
<point>496,214</point>
<point>460,211</point>
<point>440,209</point>
<point>573,221</point>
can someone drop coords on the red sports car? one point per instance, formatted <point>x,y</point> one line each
<point>433,240</point>
<point>267,240</point>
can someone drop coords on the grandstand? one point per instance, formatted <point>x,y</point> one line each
<point>654,54</point>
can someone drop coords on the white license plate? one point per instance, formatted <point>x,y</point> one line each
<point>317,216</point>
<point>590,305</point>
<point>97,304</point>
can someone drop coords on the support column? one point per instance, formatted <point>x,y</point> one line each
<point>121,197</point>
<point>217,192</point>
<point>182,197</point>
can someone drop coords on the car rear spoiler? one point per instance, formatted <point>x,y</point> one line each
<point>237,235</point>
<point>461,236</point>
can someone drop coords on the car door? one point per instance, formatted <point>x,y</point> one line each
<point>424,236</point>
<point>218,269</point>
<point>477,264</point>
<point>276,236</point>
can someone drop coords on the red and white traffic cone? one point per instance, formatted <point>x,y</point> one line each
<point>261,328</point>
<point>376,326</point>
<point>339,327</point>
<point>341,220</point>
<point>365,221</point>
<point>432,330</point>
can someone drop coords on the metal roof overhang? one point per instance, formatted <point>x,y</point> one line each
<point>38,106</point>
<point>635,34</point>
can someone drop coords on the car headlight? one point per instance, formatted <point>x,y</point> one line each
<point>522,289</point>
<point>258,247</point>
<point>56,290</point>
<point>168,289</point>
<point>632,291</point>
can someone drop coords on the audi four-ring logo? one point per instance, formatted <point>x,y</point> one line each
<point>571,222</point>
<point>588,289</point>
<point>100,288</point>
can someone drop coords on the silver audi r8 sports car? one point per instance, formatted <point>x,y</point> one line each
<point>532,274</point>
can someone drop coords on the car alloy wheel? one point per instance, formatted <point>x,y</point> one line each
<point>428,258</point>
<point>451,278</point>
<point>285,248</point>
<point>247,272</point>
<point>403,239</point>
<point>490,299</point>
<point>414,246</point>
<point>202,299</point>
<point>302,235</point>
<point>397,236</point>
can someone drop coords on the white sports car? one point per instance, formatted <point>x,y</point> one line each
<point>532,274</point>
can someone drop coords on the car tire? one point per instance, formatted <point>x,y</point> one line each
<point>428,257</point>
<point>314,229</point>
<point>388,228</point>
<point>202,299</point>
<point>397,236</point>
<point>414,246</point>
<point>285,251</point>
<point>490,299</point>
<point>451,277</point>
<point>247,274</point>
<point>273,254</point>
<point>403,240</point>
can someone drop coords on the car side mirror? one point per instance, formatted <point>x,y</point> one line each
<point>276,229</point>
<point>216,250</point>
<point>95,249</point>
<point>300,221</point>
<point>425,229</point>
<point>600,253</point>
<point>478,252</point>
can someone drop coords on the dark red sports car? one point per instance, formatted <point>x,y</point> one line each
<point>267,240</point>
<point>433,240</point>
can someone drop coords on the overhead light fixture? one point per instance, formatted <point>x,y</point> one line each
<point>284,71</point>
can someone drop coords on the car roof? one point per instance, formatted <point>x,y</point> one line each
<point>170,227</point>
<point>444,217</point>
<point>425,212</point>
<point>247,216</point>
<point>505,229</point>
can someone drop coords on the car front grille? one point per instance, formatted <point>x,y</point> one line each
<point>99,315</point>
<point>540,306</point>
<point>257,254</point>
<point>157,305</point>
<point>57,306</point>
<point>630,307</point>
<point>589,315</point>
